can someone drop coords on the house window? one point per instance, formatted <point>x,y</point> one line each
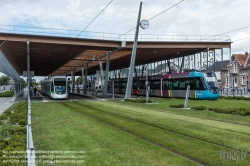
<point>235,67</point>
<point>243,80</point>
<point>226,80</point>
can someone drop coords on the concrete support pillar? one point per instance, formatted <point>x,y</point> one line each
<point>73,80</point>
<point>85,80</point>
<point>104,89</point>
<point>207,58</point>
<point>15,88</point>
<point>194,61</point>
<point>214,60</point>
<point>182,64</point>
<point>101,72</point>
<point>200,61</point>
<point>169,67</point>
<point>28,67</point>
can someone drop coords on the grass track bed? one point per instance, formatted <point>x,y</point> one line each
<point>241,128</point>
<point>163,106</point>
<point>196,149</point>
<point>204,133</point>
<point>56,127</point>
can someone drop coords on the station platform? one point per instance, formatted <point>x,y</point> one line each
<point>98,94</point>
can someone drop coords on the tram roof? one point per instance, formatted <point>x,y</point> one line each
<point>50,55</point>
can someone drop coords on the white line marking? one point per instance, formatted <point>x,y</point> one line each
<point>8,101</point>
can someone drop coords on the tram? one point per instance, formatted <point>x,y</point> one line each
<point>203,85</point>
<point>55,87</point>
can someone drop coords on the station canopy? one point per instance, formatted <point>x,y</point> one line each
<point>51,55</point>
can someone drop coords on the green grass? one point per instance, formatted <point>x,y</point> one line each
<point>189,128</point>
<point>162,105</point>
<point>7,93</point>
<point>85,126</point>
<point>57,127</point>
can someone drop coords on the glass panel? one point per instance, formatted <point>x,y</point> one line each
<point>60,85</point>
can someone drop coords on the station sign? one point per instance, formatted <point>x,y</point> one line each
<point>25,74</point>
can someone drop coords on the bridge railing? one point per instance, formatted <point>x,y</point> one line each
<point>109,36</point>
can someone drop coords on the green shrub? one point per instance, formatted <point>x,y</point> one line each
<point>138,100</point>
<point>176,105</point>
<point>199,108</point>
<point>3,144</point>
<point>7,132</point>
<point>22,122</point>
<point>20,129</point>
<point>7,93</point>
<point>3,117</point>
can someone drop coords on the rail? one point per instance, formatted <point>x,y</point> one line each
<point>109,36</point>
<point>30,145</point>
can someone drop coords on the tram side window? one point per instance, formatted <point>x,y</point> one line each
<point>165,84</point>
<point>115,85</point>
<point>52,86</point>
<point>175,84</point>
<point>155,84</point>
<point>199,84</point>
<point>142,84</point>
<point>170,84</point>
<point>124,84</point>
<point>182,85</point>
<point>134,85</point>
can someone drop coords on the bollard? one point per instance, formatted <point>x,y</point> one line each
<point>187,95</point>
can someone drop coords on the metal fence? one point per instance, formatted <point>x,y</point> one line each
<point>109,36</point>
<point>236,91</point>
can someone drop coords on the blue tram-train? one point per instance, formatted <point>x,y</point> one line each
<point>203,85</point>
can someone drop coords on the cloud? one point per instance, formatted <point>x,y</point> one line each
<point>199,17</point>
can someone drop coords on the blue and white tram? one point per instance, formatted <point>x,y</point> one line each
<point>203,85</point>
<point>55,87</point>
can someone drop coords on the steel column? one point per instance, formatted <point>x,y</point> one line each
<point>73,80</point>
<point>28,67</point>
<point>101,71</point>
<point>132,62</point>
<point>200,61</point>
<point>104,91</point>
<point>85,79</point>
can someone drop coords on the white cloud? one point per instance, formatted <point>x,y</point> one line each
<point>190,17</point>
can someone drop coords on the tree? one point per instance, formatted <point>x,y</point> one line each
<point>23,81</point>
<point>79,81</point>
<point>246,53</point>
<point>4,80</point>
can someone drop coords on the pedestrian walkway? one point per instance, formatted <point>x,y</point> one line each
<point>24,96</point>
<point>5,103</point>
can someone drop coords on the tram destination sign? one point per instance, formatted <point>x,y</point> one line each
<point>25,74</point>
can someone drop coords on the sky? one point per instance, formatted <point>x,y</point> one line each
<point>189,17</point>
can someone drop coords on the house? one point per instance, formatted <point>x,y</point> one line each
<point>216,68</point>
<point>235,74</point>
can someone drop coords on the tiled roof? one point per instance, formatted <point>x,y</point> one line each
<point>246,68</point>
<point>241,58</point>
<point>218,65</point>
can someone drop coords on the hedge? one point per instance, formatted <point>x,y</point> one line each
<point>13,133</point>
<point>138,100</point>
